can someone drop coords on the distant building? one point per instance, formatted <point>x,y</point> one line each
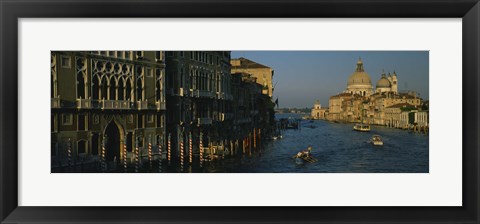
<point>318,112</point>
<point>359,82</point>
<point>384,106</point>
<point>264,74</point>
<point>393,113</point>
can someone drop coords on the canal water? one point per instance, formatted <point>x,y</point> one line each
<point>338,149</point>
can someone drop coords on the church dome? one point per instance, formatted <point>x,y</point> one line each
<point>383,82</point>
<point>359,77</point>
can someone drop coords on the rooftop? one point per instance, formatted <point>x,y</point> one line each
<point>245,63</point>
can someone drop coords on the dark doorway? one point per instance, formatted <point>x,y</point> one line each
<point>95,144</point>
<point>113,142</point>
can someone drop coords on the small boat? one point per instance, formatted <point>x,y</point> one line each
<point>304,156</point>
<point>361,127</point>
<point>376,140</point>
<point>277,137</point>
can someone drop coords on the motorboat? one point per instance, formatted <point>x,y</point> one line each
<point>376,140</point>
<point>361,127</point>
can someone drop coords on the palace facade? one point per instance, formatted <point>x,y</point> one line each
<point>105,106</point>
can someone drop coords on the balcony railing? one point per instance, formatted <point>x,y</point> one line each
<point>220,95</point>
<point>204,93</point>
<point>142,105</point>
<point>56,102</point>
<point>115,104</point>
<point>84,103</point>
<point>204,121</point>
<point>194,93</point>
<point>160,105</point>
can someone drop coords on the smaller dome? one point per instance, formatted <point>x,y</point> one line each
<point>383,82</point>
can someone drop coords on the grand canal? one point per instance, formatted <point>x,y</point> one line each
<point>338,149</point>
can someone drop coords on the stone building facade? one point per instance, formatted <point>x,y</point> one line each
<point>199,96</point>
<point>105,105</point>
<point>127,111</point>
<point>262,73</point>
<point>318,112</point>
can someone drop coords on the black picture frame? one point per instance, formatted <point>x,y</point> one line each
<point>11,11</point>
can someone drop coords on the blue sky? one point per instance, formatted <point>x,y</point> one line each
<point>301,77</point>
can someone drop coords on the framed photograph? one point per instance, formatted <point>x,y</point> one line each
<point>250,112</point>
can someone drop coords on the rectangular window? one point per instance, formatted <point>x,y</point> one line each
<point>150,118</point>
<point>130,118</point>
<point>181,54</point>
<point>67,119</point>
<point>139,54</point>
<point>149,72</point>
<point>170,53</point>
<point>81,122</point>
<point>66,61</point>
<point>128,55</point>
<point>139,121</point>
<point>158,56</point>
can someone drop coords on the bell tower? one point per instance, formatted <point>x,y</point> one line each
<point>394,82</point>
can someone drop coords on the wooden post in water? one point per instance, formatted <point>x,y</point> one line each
<point>150,151</point>
<point>69,154</point>
<point>243,146</point>
<point>137,161</point>
<point>254,139</point>
<point>169,148</point>
<point>200,147</point>
<point>104,142</point>
<point>181,152</point>
<point>160,152</point>
<point>125,155</point>
<point>190,148</point>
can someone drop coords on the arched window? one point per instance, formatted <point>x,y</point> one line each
<point>128,89</point>
<point>80,86</point>
<point>95,87</point>
<point>139,89</point>
<point>158,90</point>
<point>121,89</point>
<point>112,88</point>
<point>103,87</point>
<point>53,81</point>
